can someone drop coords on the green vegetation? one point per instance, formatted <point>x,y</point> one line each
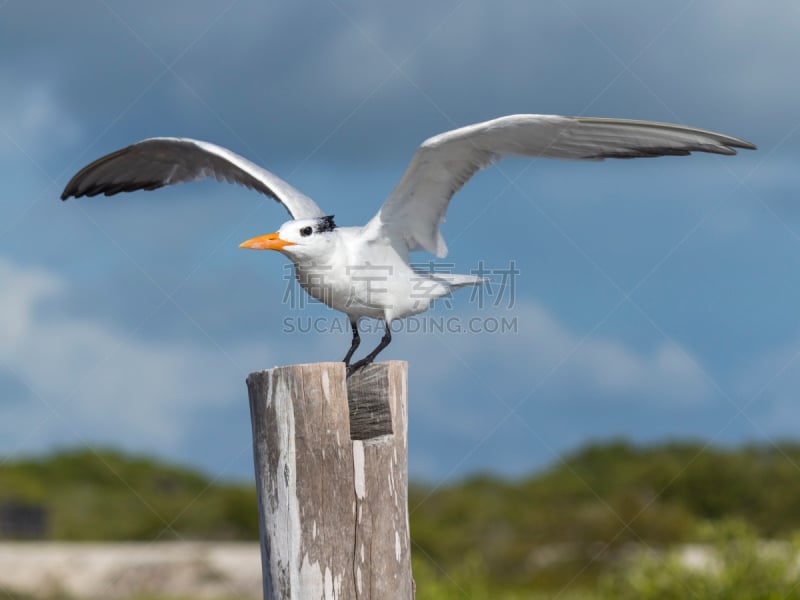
<point>739,567</point>
<point>736,566</point>
<point>577,520</point>
<point>110,496</point>
<point>610,521</point>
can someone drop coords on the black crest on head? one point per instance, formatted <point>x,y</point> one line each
<point>325,224</point>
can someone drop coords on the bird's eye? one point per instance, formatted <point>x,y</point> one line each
<point>305,231</point>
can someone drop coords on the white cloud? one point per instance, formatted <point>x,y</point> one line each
<point>105,385</point>
<point>600,365</point>
<point>548,365</point>
<point>563,390</point>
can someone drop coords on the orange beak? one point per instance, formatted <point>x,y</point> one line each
<point>270,241</point>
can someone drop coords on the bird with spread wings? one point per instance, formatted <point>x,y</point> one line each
<point>330,261</point>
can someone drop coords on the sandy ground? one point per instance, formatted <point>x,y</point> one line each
<point>88,570</point>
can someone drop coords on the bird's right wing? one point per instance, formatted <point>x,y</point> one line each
<point>444,163</point>
<point>156,162</point>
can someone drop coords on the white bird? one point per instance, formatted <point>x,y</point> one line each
<point>365,271</point>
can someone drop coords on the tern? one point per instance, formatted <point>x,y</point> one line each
<point>365,272</point>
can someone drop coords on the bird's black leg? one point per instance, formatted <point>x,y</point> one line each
<point>387,337</point>
<point>354,345</point>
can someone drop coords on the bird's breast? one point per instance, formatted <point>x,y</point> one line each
<point>362,290</point>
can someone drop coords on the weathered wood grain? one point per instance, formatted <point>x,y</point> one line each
<point>333,511</point>
<point>370,410</point>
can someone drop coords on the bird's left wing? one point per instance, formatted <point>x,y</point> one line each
<point>444,163</point>
<point>156,162</point>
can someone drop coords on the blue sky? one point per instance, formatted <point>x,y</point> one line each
<point>655,298</point>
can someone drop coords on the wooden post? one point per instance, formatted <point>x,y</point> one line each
<point>332,481</point>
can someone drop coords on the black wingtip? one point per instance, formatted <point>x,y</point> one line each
<point>71,190</point>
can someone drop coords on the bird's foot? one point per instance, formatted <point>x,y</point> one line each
<point>357,365</point>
